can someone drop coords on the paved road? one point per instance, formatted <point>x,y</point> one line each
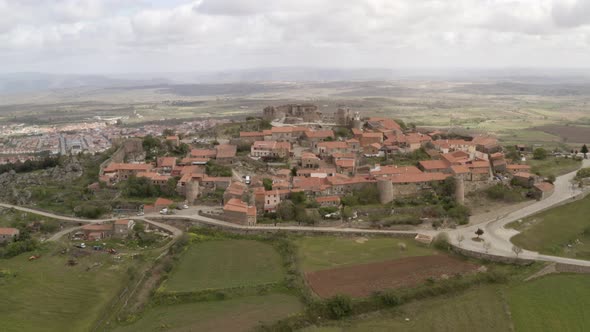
<point>499,237</point>
<point>172,230</point>
<point>495,233</point>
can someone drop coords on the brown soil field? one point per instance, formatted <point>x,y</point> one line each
<point>571,134</point>
<point>363,280</point>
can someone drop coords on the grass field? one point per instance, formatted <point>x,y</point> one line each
<point>323,252</point>
<point>240,314</point>
<point>47,295</point>
<point>225,264</point>
<point>551,231</point>
<point>554,166</point>
<point>479,309</point>
<point>552,303</point>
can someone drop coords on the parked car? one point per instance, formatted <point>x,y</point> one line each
<point>81,245</point>
<point>164,211</point>
<point>185,206</point>
<point>140,214</point>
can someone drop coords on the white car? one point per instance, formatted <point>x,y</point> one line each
<point>164,211</point>
<point>185,206</point>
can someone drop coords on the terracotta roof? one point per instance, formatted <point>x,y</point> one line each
<point>172,138</point>
<point>203,153</point>
<point>434,164</point>
<point>346,163</point>
<point>333,145</point>
<point>373,135</point>
<point>9,231</point>
<point>272,145</point>
<point>122,222</point>
<point>459,169</point>
<point>309,183</point>
<point>309,155</point>
<point>523,175</point>
<point>226,151</point>
<point>166,161</point>
<point>237,205</point>
<point>95,227</point>
<point>385,123</point>
<point>251,134</point>
<point>544,186</point>
<point>319,134</point>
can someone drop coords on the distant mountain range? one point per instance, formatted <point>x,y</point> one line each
<point>15,83</point>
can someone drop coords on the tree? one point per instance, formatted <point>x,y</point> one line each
<point>479,232</point>
<point>584,150</point>
<point>168,132</point>
<point>346,212</point>
<point>517,250</point>
<point>540,154</point>
<point>551,178</point>
<point>294,171</point>
<point>298,197</point>
<point>267,183</point>
<point>286,210</point>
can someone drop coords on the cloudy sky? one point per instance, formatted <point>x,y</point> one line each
<point>120,36</point>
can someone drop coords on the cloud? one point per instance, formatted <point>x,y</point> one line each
<point>161,35</point>
<point>571,14</point>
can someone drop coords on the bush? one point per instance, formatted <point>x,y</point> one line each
<point>20,246</point>
<point>503,193</point>
<point>540,154</point>
<point>441,241</point>
<point>389,299</point>
<point>583,173</point>
<point>339,306</point>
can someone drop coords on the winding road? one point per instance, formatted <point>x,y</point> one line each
<point>494,232</point>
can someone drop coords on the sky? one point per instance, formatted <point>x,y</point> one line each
<point>142,36</point>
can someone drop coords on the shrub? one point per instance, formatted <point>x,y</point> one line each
<point>441,241</point>
<point>389,299</point>
<point>339,306</point>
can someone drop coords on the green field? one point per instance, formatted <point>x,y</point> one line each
<point>551,231</point>
<point>479,309</point>
<point>47,295</point>
<point>554,166</point>
<point>323,252</point>
<point>553,303</point>
<point>225,264</point>
<point>240,314</point>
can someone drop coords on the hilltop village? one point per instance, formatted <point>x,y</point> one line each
<point>305,161</point>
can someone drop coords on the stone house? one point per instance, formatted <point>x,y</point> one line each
<point>8,235</point>
<point>235,210</point>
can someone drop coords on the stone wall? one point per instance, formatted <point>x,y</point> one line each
<point>490,257</point>
<point>567,268</point>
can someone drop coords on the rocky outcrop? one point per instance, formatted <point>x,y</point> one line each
<point>16,187</point>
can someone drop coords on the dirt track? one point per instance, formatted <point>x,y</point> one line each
<point>363,280</point>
